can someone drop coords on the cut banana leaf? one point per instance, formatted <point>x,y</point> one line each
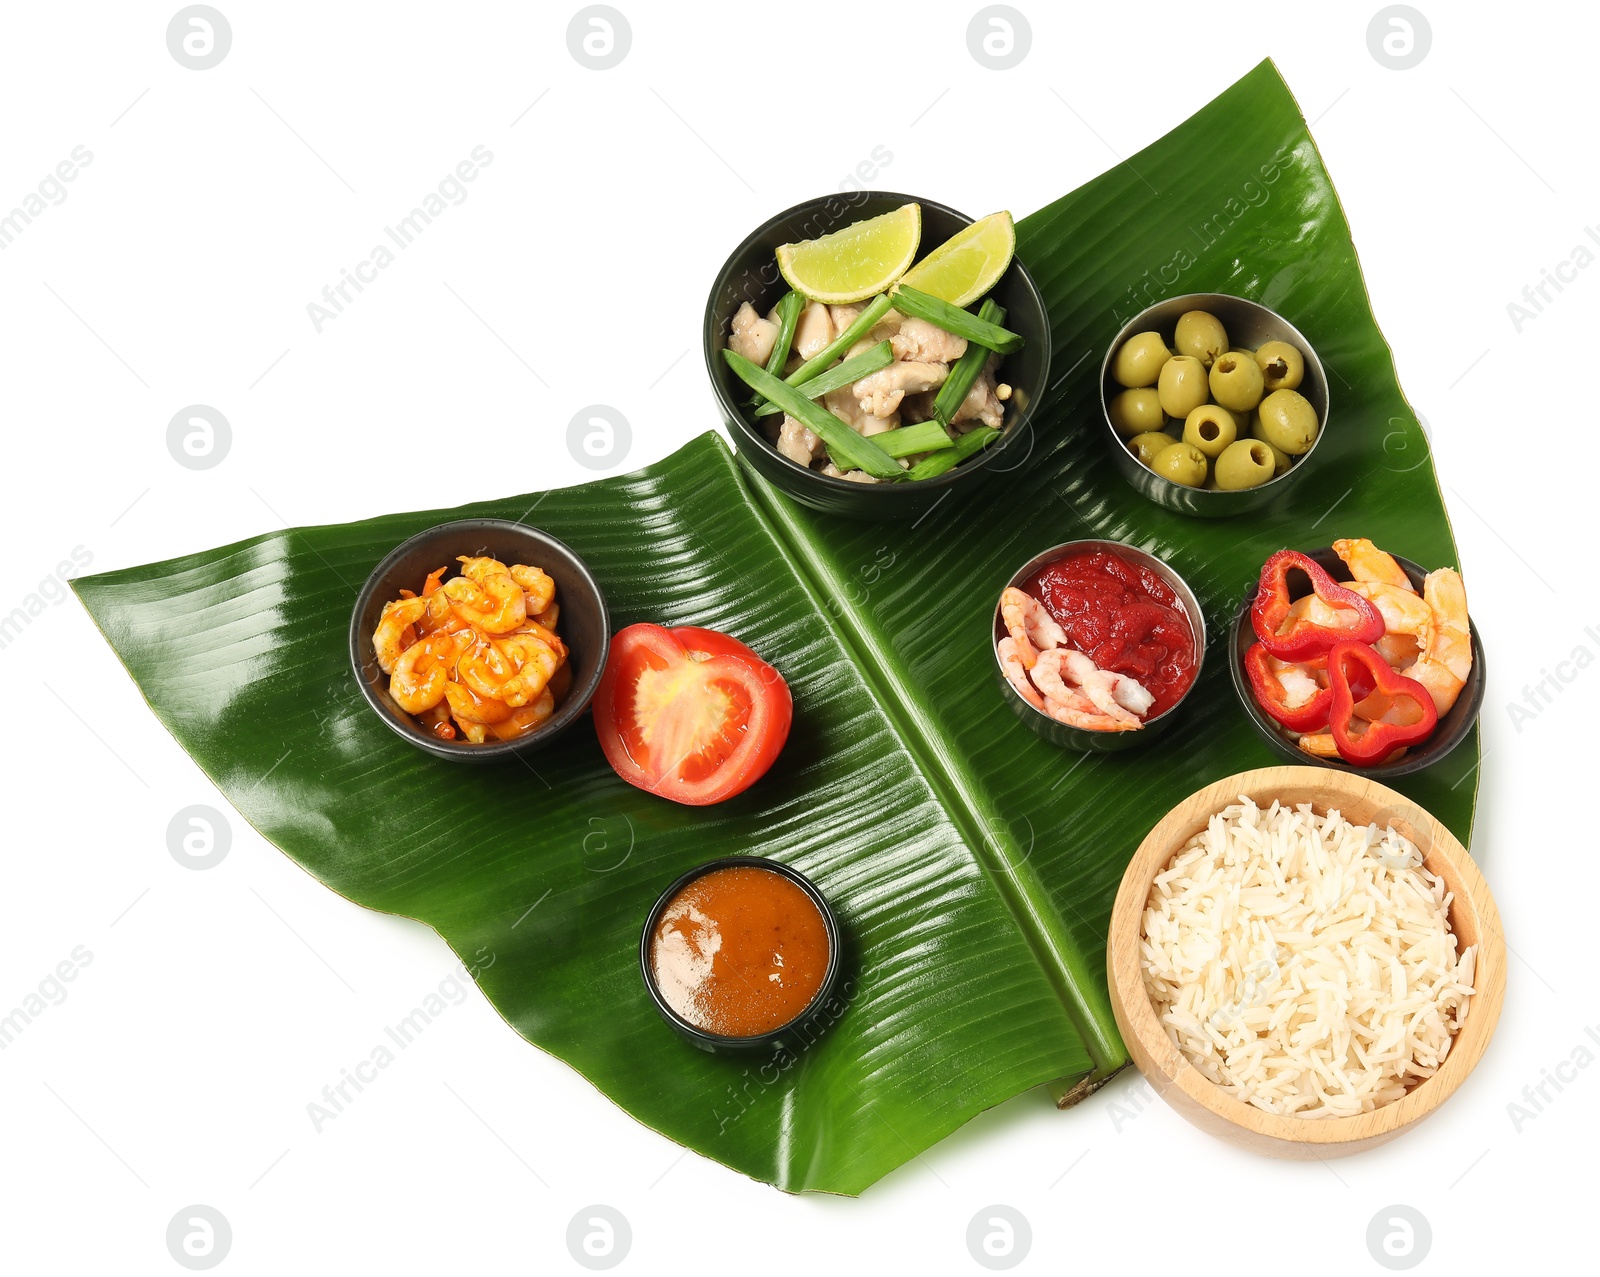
<point>972,865</point>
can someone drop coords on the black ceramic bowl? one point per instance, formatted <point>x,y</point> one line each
<point>1453,725</point>
<point>585,625</point>
<point>794,1036</point>
<point>751,275</point>
<point>1089,742</point>
<point>1249,324</point>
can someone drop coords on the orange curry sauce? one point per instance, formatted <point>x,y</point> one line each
<point>740,951</point>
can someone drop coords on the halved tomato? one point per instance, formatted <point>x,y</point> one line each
<point>690,714</point>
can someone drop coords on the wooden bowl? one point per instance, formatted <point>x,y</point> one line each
<point>1473,918</point>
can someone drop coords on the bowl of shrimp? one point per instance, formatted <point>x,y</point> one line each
<point>479,639</point>
<point>1109,663</point>
<point>1427,638</point>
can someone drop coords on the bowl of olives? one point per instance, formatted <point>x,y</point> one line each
<point>1213,404</point>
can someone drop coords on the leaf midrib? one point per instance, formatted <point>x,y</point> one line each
<point>1019,888</point>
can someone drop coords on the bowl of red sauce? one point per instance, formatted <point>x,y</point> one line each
<point>1117,640</point>
<point>742,955</point>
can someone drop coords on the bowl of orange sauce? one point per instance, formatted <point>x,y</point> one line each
<point>743,954</point>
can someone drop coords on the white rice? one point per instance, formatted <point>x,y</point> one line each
<point>1304,964</point>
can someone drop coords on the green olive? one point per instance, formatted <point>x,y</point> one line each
<point>1183,385</point>
<point>1288,422</point>
<point>1282,366</point>
<point>1202,335</point>
<point>1236,382</point>
<point>1133,412</point>
<point>1281,460</point>
<point>1211,428</point>
<point>1139,361</point>
<point>1245,463</point>
<point>1147,445</point>
<point>1182,463</point>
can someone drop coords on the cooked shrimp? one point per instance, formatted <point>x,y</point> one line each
<point>1033,628</point>
<point>388,640</point>
<point>524,719</point>
<point>481,567</point>
<point>1320,744</point>
<point>1298,680</point>
<point>537,585</point>
<point>1399,650</point>
<point>1099,685</point>
<point>549,616</point>
<point>1069,705</point>
<point>437,722</point>
<point>422,674</point>
<point>1402,611</point>
<point>1368,563</point>
<point>1016,674</point>
<point>513,669</point>
<point>468,707</point>
<point>495,604</point>
<point>1445,643</point>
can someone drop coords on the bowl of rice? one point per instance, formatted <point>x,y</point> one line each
<point>1304,962</point>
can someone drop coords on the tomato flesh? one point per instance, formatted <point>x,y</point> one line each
<point>689,714</point>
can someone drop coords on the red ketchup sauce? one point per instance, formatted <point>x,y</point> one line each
<point>1124,618</point>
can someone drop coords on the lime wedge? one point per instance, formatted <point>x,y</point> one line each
<point>968,264</point>
<point>854,263</point>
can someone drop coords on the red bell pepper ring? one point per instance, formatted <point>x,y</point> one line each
<point>1270,695</point>
<point>1381,738</point>
<point>1303,638</point>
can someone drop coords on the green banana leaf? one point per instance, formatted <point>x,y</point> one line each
<point>972,865</point>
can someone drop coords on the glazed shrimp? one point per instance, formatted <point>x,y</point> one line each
<point>1445,658</point>
<point>524,719</point>
<point>388,639</point>
<point>1368,563</point>
<point>494,604</point>
<point>1016,675</point>
<point>481,567</point>
<point>536,585</point>
<point>1033,628</point>
<point>422,674</point>
<point>514,669</point>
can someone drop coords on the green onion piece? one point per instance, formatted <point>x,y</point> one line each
<point>850,450</point>
<point>788,317</point>
<point>969,443</point>
<point>955,320</point>
<point>954,391</point>
<point>875,310</point>
<point>906,441</point>
<point>851,370</point>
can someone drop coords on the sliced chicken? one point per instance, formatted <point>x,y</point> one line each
<point>752,336</point>
<point>880,393</point>
<point>814,331</point>
<point>982,404</point>
<point>798,443</point>
<point>854,476</point>
<point>843,404</point>
<point>883,330</point>
<point>843,317</point>
<point>920,342</point>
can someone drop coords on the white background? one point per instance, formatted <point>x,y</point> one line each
<point>178,270</point>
